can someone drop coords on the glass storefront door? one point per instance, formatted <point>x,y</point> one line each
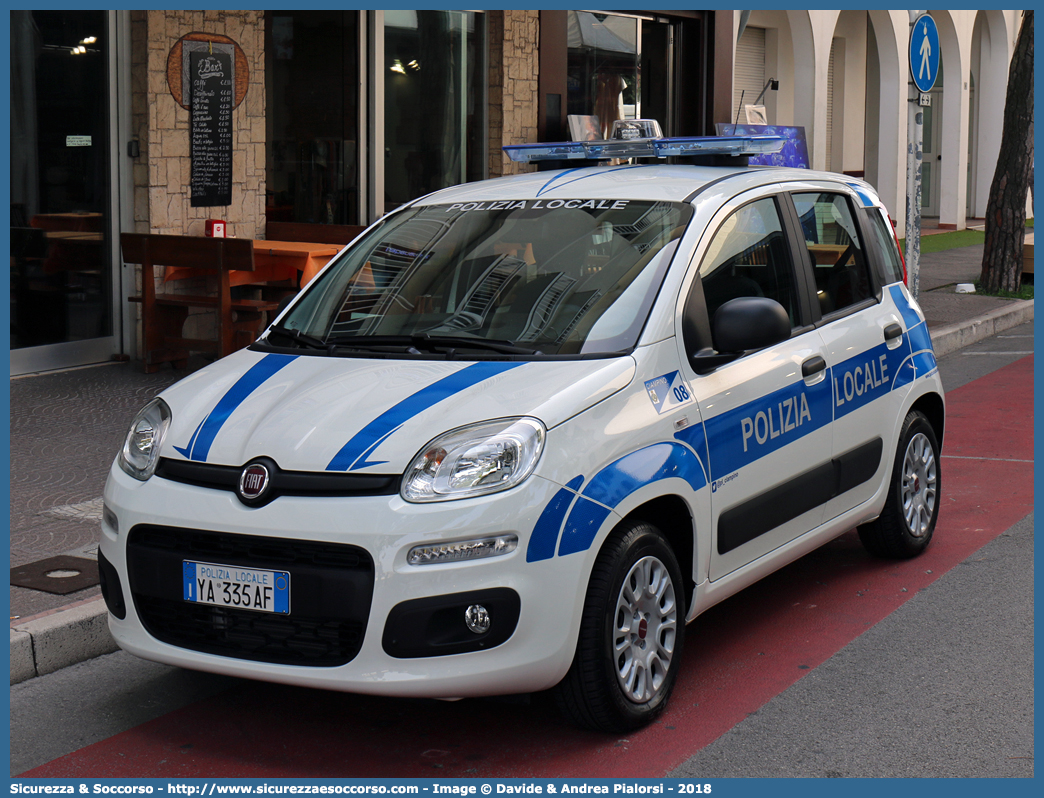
<point>61,229</point>
<point>603,67</point>
<point>620,67</point>
<point>336,153</point>
<point>312,83</point>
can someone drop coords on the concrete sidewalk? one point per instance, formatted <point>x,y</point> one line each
<point>66,427</point>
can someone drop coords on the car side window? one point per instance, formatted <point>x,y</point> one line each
<point>838,257</point>
<point>748,256</point>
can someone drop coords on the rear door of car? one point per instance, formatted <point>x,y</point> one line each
<point>865,340</point>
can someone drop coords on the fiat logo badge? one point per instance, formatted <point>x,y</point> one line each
<point>253,481</point>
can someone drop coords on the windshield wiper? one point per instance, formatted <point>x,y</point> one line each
<point>504,347</point>
<point>418,343</point>
<point>298,337</point>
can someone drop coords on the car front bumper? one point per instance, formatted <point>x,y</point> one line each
<point>535,655</point>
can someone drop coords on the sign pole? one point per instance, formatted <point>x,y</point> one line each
<point>914,134</point>
<point>924,67</point>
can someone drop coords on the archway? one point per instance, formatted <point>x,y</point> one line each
<point>990,51</point>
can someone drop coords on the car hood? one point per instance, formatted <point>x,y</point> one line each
<point>311,413</point>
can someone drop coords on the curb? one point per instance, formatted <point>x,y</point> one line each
<point>61,639</point>
<point>948,339</point>
<point>73,635</point>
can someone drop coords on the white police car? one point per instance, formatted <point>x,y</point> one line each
<point>522,431</point>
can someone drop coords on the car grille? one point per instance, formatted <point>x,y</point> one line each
<point>331,589</point>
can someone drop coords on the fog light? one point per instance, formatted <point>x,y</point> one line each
<point>477,619</point>
<point>462,550</point>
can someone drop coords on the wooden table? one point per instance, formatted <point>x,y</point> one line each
<point>826,254</point>
<point>76,222</point>
<point>303,256</point>
<point>73,251</point>
<point>274,261</point>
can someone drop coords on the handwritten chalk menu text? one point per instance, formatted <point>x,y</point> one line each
<point>213,90</point>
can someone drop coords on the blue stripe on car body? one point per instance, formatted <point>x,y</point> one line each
<point>585,519</point>
<point>544,539</point>
<point>920,340</point>
<point>618,480</point>
<point>865,377</point>
<point>923,359</point>
<point>863,196</point>
<point>785,415</point>
<point>199,445</point>
<point>550,184</point>
<point>353,454</point>
<point>910,316</point>
<point>925,363</point>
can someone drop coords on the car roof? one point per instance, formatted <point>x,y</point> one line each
<point>652,182</point>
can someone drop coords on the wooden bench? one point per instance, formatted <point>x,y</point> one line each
<point>163,315</point>
<point>318,233</point>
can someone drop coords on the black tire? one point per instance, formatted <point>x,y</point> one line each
<point>907,521</point>
<point>623,672</point>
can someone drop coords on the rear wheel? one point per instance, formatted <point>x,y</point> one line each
<point>907,521</point>
<point>631,634</point>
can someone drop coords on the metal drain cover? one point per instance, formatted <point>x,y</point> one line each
<point>60,575</point>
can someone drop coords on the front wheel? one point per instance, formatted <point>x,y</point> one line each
<point>907,521</point>
<point>631,634</point>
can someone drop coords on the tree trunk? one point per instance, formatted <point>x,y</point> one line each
<point>1006,207</point>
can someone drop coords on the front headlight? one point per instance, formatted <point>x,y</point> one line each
<point>141,448</point>
<point>475,460</point>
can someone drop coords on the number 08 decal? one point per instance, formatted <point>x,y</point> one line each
<point>668,392</point>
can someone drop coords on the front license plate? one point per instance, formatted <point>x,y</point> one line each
<point>234,586</point>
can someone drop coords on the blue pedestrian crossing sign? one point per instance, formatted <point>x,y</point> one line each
<point>924,53</point>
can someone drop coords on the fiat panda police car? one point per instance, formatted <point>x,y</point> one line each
<point>520,432</point>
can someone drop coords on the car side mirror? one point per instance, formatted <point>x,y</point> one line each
<point>743,325</point>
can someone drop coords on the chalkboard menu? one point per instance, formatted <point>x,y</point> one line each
<point>212,91</point>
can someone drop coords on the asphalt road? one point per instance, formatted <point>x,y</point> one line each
<point>940,684</point>
<point>942,687</point>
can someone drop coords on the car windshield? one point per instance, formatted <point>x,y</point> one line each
<point>558,277</point>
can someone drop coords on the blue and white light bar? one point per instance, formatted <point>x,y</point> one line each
<point>644,148</point>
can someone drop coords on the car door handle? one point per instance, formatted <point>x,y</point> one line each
<point>812,366</point>
<point>892,331</point>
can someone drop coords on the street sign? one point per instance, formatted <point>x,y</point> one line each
<point>925,100</point>
<point>924,53</point>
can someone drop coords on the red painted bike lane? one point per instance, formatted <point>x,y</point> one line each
<point>738,656</point>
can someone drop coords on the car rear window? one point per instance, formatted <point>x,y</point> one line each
<point>890,259</point>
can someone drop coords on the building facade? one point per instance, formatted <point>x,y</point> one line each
<point>337,117</point>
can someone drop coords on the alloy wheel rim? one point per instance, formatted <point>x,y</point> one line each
<point>645,630</point>
<point>920,485</point>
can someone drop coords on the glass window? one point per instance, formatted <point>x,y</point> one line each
<point>434,109</point>
<point>749,257</point>
<point>578,277</point>
<point>602,77</point>
<point>61,273</point>
<point>434,113</point>
<point>893,266</point>
<point>837,256</point>
<point>312,104</point>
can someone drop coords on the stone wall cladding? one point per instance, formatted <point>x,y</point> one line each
<point>513,85</point>
<point>162,203</point>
